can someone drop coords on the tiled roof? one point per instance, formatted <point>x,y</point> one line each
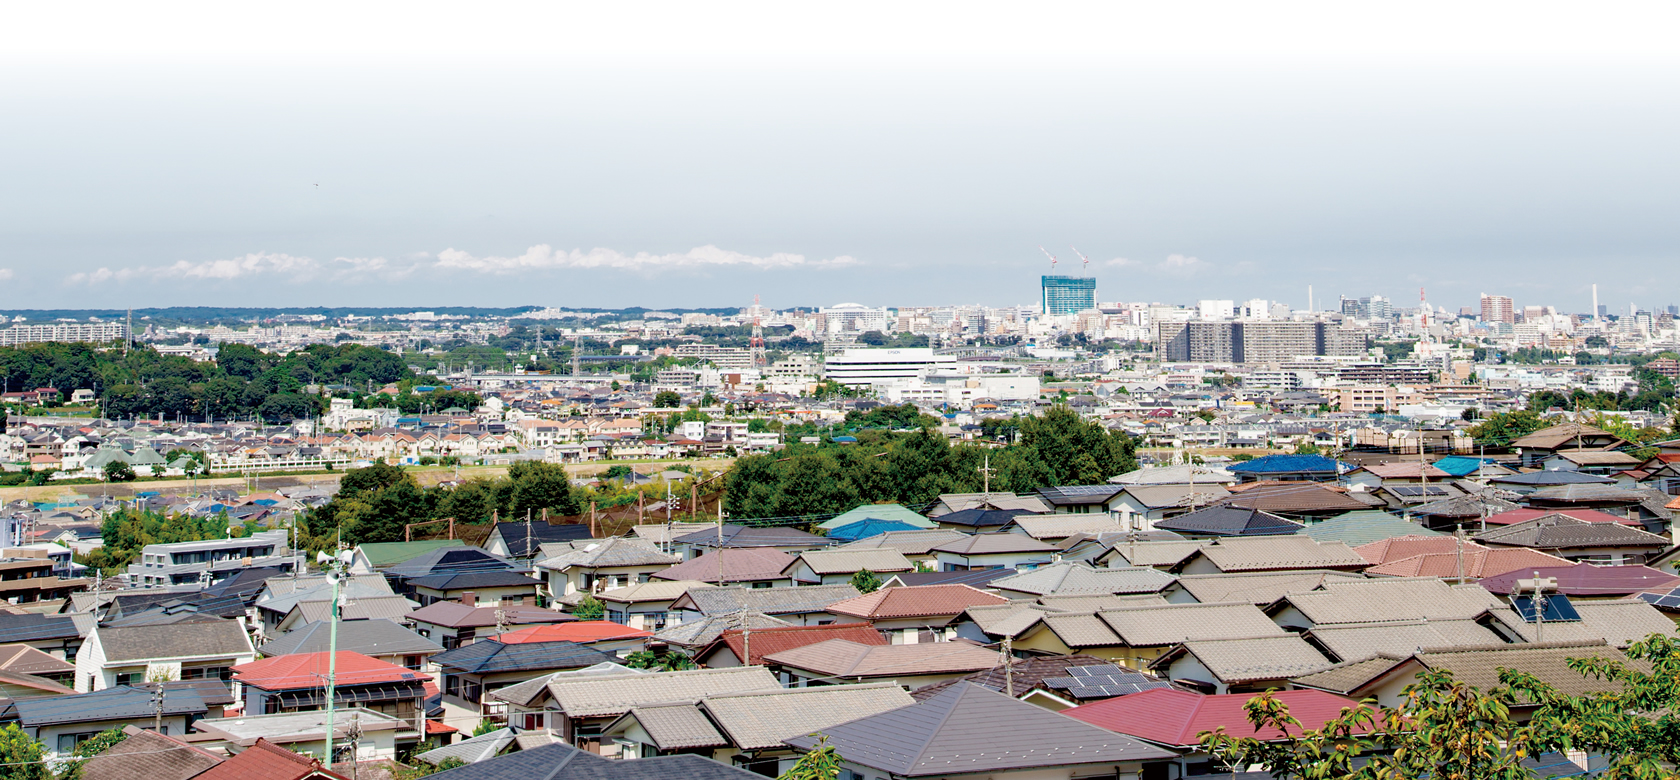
<point>1367,600</point>
<point>367,608</point>
<point>1178,718</point>
<point>175,640</point>
<point>863,529</point>
<point>761,720</point>
<point>1165,554</point>
<point>1514,516</point>
<point>1480,667</point>
<point>527,692</point>
<point>308,670</point>
<point>1476,563</point>
<point>148,755</point>
<point>524,539</point>
<point>677,726</point>
<point>382,554</point>
<point>474,579</point>
<point>876,512</point>
<point>1364,527</point>
<point>1349,641</point>
<point>1175,623</point>
<point>370,637</point>
<point>1010,619</point>
<point>1077,495</point>
<point>454,614</point>
<point>652,590</point>
<point>1168,496</point>
<point>982,518</point>
<point>24,659</point>
<point>1097,603</point>
<point>968,729</point>
<point>450,559</point>
<point>739,564</point>
<point>1235,554</point>
<point>119,703</point>
<point>266,761</point>
<point>907,542</point>
<point>1560,435</point>
<point>1229,520</point>
<point>1395,548</point>
<point>1618,622</point>
<point>843,658</point>
<point>1258,588</point>
<point>1346,677</point>
<point>996,543</point>
<point>558,761</point>
<point>1080,630</point>
<point>1024,673</point>
<point>1295,498</point>
<point>472,750</point>
<point>1078,578</point>
<point>581,632</point>
<point>766,641</point>
<point>608,553</point>
<point>1247,660</point>
<point>770,601</point>
<point>1556,531</point>
<point>914,601</point>
<point>1063,526</point>
<point>617,694</point>
<point>754,536</point>
<point>847,561</point>
<point>1588,580</point>
<point>488,656</point>
<point>706,630</point>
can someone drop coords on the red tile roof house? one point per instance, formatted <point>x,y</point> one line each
<point>295,683</point>
<point>603,635</point>
<point>267,761</point>
<point>734,644</point>
<point>1175,719</point>
<point>914,614</point>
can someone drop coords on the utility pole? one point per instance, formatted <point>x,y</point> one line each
<point>1009,666</point>
<point>157,709</point>
<point>355,735</point>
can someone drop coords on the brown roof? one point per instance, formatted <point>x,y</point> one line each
<point>915,601</point>
<point>986,544</point>
<point>1563,435</point>
<point>739,564</point>
<point>1170,625</point>
<point>1557,531</point>
<point>765,641</point>
<point>1476,563</point>
<point>1292,497</point>
<point>1271,553</point>
<point>842,658</point>
<point>147,755</point>
<point>1258,588</point>
<point>846,561</point>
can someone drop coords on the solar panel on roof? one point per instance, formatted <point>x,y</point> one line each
<point>1557,609</point>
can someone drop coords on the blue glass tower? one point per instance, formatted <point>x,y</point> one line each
<point>1069,294</point>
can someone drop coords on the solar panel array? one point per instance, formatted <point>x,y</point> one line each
<point>1414,491</point>
<point>1103,681</point>
<point>1557,609</point>
<point>1669,600</point>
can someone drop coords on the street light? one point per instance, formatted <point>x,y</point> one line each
<point>335,565</point>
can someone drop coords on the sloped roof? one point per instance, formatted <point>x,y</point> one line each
<point>370,637</point>
<point>209,637</point>
<point>1092,603</point>
<point>604,553</point>
<point>846,561</point>
<point>308,670</point>
<point>617,694</point>
<point>1296,498</point>
<point>1367,600</point>
<point>524,539</point>
<point>1348,641</point>
<point>1521,514</point>
<point>1364,527</point>
<point>914,601</point>
<point>474,579</point>
<point>1078,630</point>
<point>582,632</point>
<point>1010,619</point>
<point>864,529</point>
<point>1250,659</point>
<point>1561,435</point>
<point>527,692</point>
<point>676,726</point>
<point>266,761</point>
<point>1584,579</point>
<point>1463,507</point>
<point>148,755</point>
<point>766,641</point>
<point>1175,623</point>
<point>1480,666</point>
<point>1177,718</point>
<point>558,761</point>
<point>1263,553</point>
<point>652,590</point>
<point>876,512</point>
<point>1398,547</point>
<point>1258,588</point>
<point>702,632</point>
<point>771,601</point>
<point>1348,676</point>
<point>968,729</point>
<point>1403,470</point>
<point>1229,520</point>
<point>1160,496</point>
<point>980,517</point>
<point>1180,474</point>
<point>995,543</point>
<point>444,559</point>
<point>25,659</point>
<point>739,564</point>
<point>119,703</point>
<point>754,536</point>
<point>845,658</point>
<point>488,656</point>
<point>1024,673</point>
<point>1167,554</point>
<point>454,614</point>
<point>1078,578</point>
<point>472,750</point>
<point>758,720</point>
<point>1288,464</point>
<point>370,608</point>
<point>1554,531</point>
<point>1619,622</point>
<point>907,542</point>
<point>1476,563</point>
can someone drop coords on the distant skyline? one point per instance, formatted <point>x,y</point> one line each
<point>679,156</point>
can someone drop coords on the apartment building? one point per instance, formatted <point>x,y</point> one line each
<point>185,563</point>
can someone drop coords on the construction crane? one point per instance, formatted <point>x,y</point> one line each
<point>1085,266</point>
<point>1051,256</point>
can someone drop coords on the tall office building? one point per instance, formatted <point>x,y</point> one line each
<point>1497,308</point>
<point>1255,342</point>
<point>1069,294</point>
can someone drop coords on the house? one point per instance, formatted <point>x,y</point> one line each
<point>304,733</point>
<point>603,635</point>
<point>578,708</point>
<point>1140,507</point>
<point>1165,555</point>
<point>1176,719</point>
<point>1249,665</point>
<point>994,551</point>
<point>456,624</point>
<point>564,762</point>
<point>202,649</point>
<point>1056,528</point>
<point>486,665</point>
<point>486,588</point>
<point>385,640</point>
<point>149,755</point>
<point>267,761</point>
<point>841,661</point>
<point>1068,578</point>
<point>957,502</point>
<point>60,723</point>
<point>1448,557</point>
<point>1540,446</point>
<point>1339,601</point>
<point>1376,475</point>
<point>1078,499</point>
<point>1054,682</point>
<point>917,546</point>
<point>969,731</point>
<point>603,565</point>
<point>806,606</point>
<point>1601,544</point>
<point>59,636</point>
<point>1599,462</point>
<point>521,541</point>
<point>28,576</point>
<point>863,529</point>
<point>1364,527</point>
<point>646,605</point>
<point>837,566</point>
<point>445,560</point>
<point>754,644</point>
<point>192,563</point>
<point>890,512</point>
<point>1581,581</point>
<point>372,557</point>
<point>915,614</point>
<point>1306,502</point>
<point>1385,677</point>
<point>315,610</point>
<point>982,518</point>
<point>1289,468</point>
<point>1225,520</point>
<point>757,567</point>
<point>1133,636</point>
<point>25,672</point>
<point>293,683</point>
<point>789,540</point>
<point>1247,554</point>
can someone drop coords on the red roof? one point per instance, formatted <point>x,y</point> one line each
<point>434,727</point>
<point>582,632</point>
<point>267,761</point>
<point>765,641</point>
<point>1587,580</point>
<point>1176,718</point>
<point>309,670</point>
<point>915,601</point>
<point>1477,562</point>
<point>1514,516</point>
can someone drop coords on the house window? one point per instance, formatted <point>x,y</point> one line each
<point>654,621</point>
<point>222,673</point>
<point>618,616</point>
<point>130,678</point>
<point>531,721</point>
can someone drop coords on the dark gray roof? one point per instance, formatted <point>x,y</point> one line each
<point>1552,478</point>
<point>1225,520</point>
<point>368,637</point>
<point>750,536</point>
<point>450,559</point>
<point>119,703</point>
<point>474,579</point>
<point>186,640</point>
<point>564,762</point>
<point>982,518</point>
<point>33,628</point>
<point>488,656</point>
<point>523,539</point>
<point>971,729</point>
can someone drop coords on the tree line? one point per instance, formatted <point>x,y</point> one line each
<point>373,504</point>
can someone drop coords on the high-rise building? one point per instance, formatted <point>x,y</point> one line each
<point>1255,342</point>
<point>1497,308</point>
<point>1068,294</point>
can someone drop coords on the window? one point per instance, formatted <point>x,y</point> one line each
<point>130,678</point>
<point>531,721</point>
<point>618,616</point>
<point>222,673</point>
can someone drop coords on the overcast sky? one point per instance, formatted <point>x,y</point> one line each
<point>698,154</point>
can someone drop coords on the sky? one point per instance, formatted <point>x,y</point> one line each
<point>891,154</point>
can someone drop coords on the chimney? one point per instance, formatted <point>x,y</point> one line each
<point>469,598</point>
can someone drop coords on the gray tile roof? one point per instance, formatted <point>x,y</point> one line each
<point>1175,623</point>
<point>760,720</point>
<point>1270,553</point>
<point>119,703</point>
<point>473,750</point>
<point>699,633</point>
<point>770,601</point>
<point>368,637</point>
<point>1556,531</point>
<point>1620,622</point>
<point>676,726</point>
<point>175,640</point>
<point>1077,578</point>
<point>906,542</point>
<point>564,762</point>
<point>1399,598</point>
<point>1258,588</point>
<point>838,561</point>
<point>969,729</point>
<point>1167,554</point>
<point>617,694</point>
<point>1350,641</point>
<point>1248,660</point>
<point>610,552</point>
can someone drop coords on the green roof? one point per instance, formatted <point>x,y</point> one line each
<point>877,512</point>
<point>382,554</point>
<point>1364,527</point>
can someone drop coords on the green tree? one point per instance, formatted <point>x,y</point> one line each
<point>538,486</point>
<point>118,471</point>
<point>667,399</point>
<point>589,608</point>
<point>1501,428</point>
<point>669,661</point>
<point>865,581</point>
<point>93,746</point>
<point>21,757</point>
<point>821,763</point>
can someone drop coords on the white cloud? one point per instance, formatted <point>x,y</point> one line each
<point>5,274</point>
<point>538,258</point>
<point>1174,265</point>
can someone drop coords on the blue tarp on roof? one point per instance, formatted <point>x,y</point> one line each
<point>1288,464</point>
<point>1460,466</point>
<point>863,529</point>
